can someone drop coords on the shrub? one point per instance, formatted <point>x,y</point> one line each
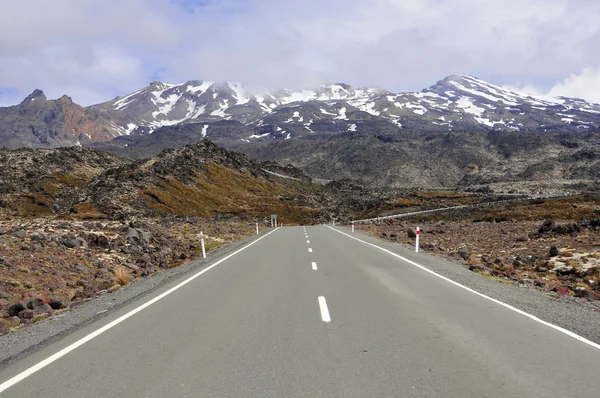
<point>122,276</point>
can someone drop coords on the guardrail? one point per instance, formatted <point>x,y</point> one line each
<point>450,208</point>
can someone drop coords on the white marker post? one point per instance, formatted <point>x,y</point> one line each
<point>256,228</point>
<point>352,226</point>
<point>418,232</point>
<point>202,243</point>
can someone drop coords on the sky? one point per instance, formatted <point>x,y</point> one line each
<point>95,50</point>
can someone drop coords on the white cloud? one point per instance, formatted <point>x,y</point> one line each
<point>96,49</point>
<point>585,85</point>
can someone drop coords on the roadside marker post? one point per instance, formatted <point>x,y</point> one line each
<point>256,228</point>
<point>202,244</point>
<point>352,226</point>
<point>418,233</point>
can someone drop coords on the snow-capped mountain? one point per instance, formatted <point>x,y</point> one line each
<point>226,111</point>
<point>456,103</point>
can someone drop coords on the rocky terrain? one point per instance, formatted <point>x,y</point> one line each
<point>49,265</point>
<point>547,244</point>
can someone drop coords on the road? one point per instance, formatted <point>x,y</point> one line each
<point>310,314</point>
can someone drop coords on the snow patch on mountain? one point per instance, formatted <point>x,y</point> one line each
<point>463,99</point>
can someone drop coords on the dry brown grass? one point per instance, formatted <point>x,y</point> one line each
<point>87,210</point>
<point>121,276</point>
<point>572,208</point>
<point>226,191</point>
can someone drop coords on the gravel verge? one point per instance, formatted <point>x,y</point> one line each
<point>577,315</point>
<point>23,342</point>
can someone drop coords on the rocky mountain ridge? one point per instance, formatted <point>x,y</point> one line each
<point>41,123</point>
<point>456,103</point>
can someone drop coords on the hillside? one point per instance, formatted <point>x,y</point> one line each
<point>201,180</point>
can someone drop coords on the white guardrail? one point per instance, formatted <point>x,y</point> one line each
<point>449,208</point>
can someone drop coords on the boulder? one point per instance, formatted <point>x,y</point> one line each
<point>554,251</point>
<point>42,309</point>
<point>476,267</point>
<point>463,253</point>
<point>586,294</point>
<point>546,227</point>
<point>26,314</point>
<point>72,242</point>
<point>56,303</point>
<point>14,309</point>
<point>39,237</point>
<point>428,246</point>
<point>32,303</point>
<point>138,236</point>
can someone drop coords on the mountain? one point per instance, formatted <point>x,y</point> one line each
<point>457,103</point>
<point>38,122</point>
<point>460,132</point>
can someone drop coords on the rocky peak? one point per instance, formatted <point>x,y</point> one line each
<point>36,95</point>
<point>65,100</point>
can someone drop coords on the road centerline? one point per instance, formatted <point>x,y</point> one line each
<point>314,266</point>
<point>324,310</point>
<point>310,250</point>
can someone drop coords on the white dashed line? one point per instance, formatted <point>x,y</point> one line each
<point>309,250</point>
<point>307,241</point>
<point>324,311</point>
<point>314,266</point>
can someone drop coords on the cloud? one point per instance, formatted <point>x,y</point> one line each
<point>584,85</point>
<point>97,49</point>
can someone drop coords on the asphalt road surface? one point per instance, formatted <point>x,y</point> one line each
<point>310,312</point>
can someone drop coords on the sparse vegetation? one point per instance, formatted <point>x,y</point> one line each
<point>122,276</point>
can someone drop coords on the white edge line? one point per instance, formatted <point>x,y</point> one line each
<point>26,373</point>
<point>510,307</point>
<point>314,266</point>
<point>309,250</point>
<point>324,310</point>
